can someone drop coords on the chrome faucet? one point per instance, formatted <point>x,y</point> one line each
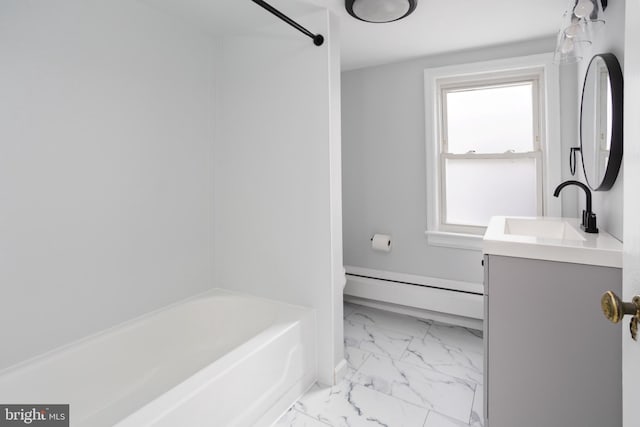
<point>588,217</point>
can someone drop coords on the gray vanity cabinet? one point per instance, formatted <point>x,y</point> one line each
<point>551,357</point>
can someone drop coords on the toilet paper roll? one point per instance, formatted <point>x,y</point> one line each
<point>381,242</point>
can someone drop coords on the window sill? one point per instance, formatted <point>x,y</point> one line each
<point>454,240</point>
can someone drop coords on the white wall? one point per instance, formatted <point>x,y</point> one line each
<point>384,176</point>
<point>106,168</point>
<point>278,188</point>
<point>610,39</point>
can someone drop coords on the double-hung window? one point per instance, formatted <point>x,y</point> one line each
<point>486,137</point>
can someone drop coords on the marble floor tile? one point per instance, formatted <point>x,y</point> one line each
<point>400,372</point>
<point>352,405</point>
<point>422,387</point>
<point>435,419</point>
<point>477,410</point>
<point>388,320</point>
<point>294,418</point>
<point>348,308</point>
<point>375,340</point>
<point>445,355</point>
<point>464,338</point>
<point>355,358</point>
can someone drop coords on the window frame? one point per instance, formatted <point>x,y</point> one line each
<point>536,68</point>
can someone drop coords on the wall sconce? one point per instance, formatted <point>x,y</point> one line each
<point>380,11</point>
<point>580,22</point>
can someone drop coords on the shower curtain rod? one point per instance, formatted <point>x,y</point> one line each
<point>317,38</point>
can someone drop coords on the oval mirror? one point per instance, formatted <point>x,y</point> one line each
<point>601,122</point>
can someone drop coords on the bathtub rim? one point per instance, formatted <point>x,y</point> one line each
<point>58,351</point>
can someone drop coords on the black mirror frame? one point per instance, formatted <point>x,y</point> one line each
<point>617,103</point>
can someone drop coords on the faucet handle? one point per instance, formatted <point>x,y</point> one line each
<point>589,222</point>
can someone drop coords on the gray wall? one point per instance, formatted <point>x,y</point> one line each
<point>607,205</point>
<point>106,168</point>
<point>384,176</point>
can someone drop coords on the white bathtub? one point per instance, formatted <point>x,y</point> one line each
<point>215,360</point>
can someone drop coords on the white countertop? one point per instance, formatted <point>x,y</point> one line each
<point>570,244</point>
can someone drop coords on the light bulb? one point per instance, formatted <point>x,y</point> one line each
<point>566,46</point>
<point>583,8</point>
<point>573,30</point>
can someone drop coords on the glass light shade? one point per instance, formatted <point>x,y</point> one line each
<point>380,11</point>
<point>569,50</point>
<point>577,31</point>
<point>566,46</point>
<point>573,30</point>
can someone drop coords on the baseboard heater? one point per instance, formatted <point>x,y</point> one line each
<point>415,284</point>
<point>437,299</point>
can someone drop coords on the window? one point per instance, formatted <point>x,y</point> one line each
<point>486,144</point>
<point>490,157</point>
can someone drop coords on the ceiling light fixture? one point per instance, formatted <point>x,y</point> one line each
<point>380,11</point>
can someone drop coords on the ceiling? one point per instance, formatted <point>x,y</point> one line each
<point>435,27</point>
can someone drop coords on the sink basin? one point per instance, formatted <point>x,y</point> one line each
<point>542,228</point>
<point>551,239</point>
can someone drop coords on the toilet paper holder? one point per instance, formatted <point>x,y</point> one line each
<point>381,242</point>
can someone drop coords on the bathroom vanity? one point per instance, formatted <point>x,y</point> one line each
<point>551,358</point>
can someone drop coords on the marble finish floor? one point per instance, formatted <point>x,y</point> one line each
<point>402,371</point>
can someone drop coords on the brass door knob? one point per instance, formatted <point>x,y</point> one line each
<point>614,309</point>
